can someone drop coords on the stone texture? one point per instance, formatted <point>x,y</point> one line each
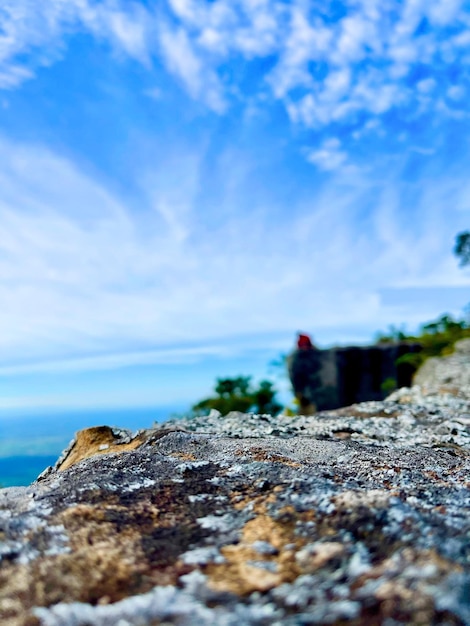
<point>359,516</point>
<point>452,371</point>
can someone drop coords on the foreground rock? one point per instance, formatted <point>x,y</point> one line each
<point>356,516</point>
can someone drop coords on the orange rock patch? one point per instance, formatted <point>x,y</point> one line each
<point>247,570</point>
<point>97,440</point>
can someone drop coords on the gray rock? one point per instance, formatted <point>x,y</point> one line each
<point>357,516</point>
<point>451,371</point>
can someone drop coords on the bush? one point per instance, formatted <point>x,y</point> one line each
<point>437,338</point>
<point>237,394</point>
<point>388,385</point>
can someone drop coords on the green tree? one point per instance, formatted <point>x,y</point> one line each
<point>237,394</point>
<point>265,399</point>
<point>388,385</point>
<point>233,387</point>
<point>393,335</point>
<point>437,338</point>
<point>462,248</point>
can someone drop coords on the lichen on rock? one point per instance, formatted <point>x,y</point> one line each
<point>358,516</point>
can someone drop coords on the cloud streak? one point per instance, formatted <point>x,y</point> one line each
<point>88,279</point>
<point>81,285</point>
<point>33,36</point>
<point>325,68</point>
<point>375,58</point>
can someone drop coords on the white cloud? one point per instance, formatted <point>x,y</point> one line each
<point>174,355</point>
<point>247,26</point>
<point>126,27</point>
<point>36,33</point>
<point>426,85</point>
<point>188,10</point>
<point>423,151</point>
<point>321,68</point>
<point>23,30</point>
<point>329,156</point>
<point>181,57</point>
<point>370,94</point>
<point>259,37</point>
<point>337,85</point>
<point>84,279</point>
<point>443,12</point>
<point>301,44</point>
<point>456,92</point>
<point>13,76</point>
<point>462,40</point>
<point>183,60</point>
<point>356,35</point>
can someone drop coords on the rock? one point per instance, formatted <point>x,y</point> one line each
<point>358,516</point>
<point>328,379</point>
<point>462,347</point>
<point>452,372</point>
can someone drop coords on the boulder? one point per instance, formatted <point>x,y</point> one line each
<point>357,516</point>
<point>451,371</point>
<point>328,379</point>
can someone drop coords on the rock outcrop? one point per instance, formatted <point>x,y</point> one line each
<point>451,371</point>
<point>347,375</point>
<point>359,516</point>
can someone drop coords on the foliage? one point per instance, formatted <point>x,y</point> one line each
<point>462,247</point>
<point>238,394</point>
<point>388,385</point>
<point>393,335</point>
<point>265,399</point>
<point>437,338</point>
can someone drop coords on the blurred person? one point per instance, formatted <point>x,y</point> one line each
<point>304,366</point>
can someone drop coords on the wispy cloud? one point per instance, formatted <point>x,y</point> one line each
<point>33,35</point>
<point>325,68</point>
<point>87,279</point>
<point>118,286</point>
<point>128,26</point>
<point>363,61</point>
<point>170,356</point>
<point>329,156</point>
<point>13,75</point>
<point>183,60</point>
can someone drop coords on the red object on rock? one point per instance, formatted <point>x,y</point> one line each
<point>304,342</point>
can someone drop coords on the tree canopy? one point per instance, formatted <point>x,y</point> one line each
<point>462,247</point>
<point>238,394</point>
<point>437,338</point>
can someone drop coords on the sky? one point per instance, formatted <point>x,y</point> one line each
<point>186,184</point>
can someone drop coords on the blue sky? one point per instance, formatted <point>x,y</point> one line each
<point>184,185</point>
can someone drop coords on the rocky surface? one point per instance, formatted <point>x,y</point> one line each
<point>452,371</point>
<point>359,516</point>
